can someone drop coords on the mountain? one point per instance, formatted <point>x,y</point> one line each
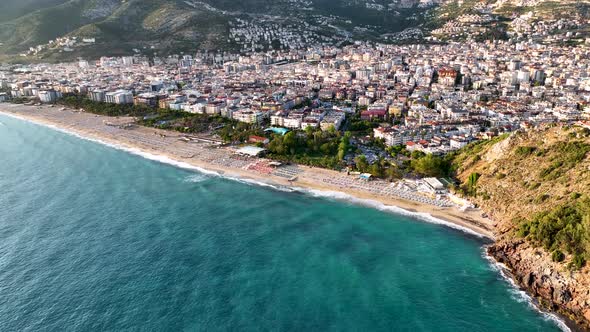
<point>536,185</point>
<point>122,27</point>
<point>185,25</point>
<point>11,9</point>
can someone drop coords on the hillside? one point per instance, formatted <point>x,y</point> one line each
<point>173,26</point>
<point>536,186</point>
<point>164,26</point>
<point>117,27</point>
<point>12,9</point>
<point>520,19</point>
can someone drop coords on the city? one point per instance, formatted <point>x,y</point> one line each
<point>429,98</point>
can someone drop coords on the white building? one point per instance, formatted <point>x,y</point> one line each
<point>48,96</point>
<point>119,97</point>
<point>249,116</point>
<point>123,97</point>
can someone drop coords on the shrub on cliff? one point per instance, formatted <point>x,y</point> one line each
<point>557,256</point>
<point>577,262</point>
<point>566,228</point>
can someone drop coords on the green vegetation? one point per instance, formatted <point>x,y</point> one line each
<point>565,228</point>
<point>430,165</point>
<point>344,146</point>
<point>229,130</point>
<point>571,153</point>
<point>311,147</point>
<point>79,102</point>
<point>472,183</point>
<point>524,151</point>
<point>361,127</point>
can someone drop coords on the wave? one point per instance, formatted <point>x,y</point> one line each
<point>520,295</point>
<point>422,216</point>
<point>262,184</point>
<point>196,178</point>
<point>337,195</point>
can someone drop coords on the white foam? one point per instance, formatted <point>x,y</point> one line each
<point>520,295</point>
<point>196,178</point>
<point>133,150</point>
<point>261,184</point>
<point>423,216</point>
<point>316,193</point>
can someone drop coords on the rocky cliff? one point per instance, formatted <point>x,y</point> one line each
<point>556,289</point>
<point>536,186</point>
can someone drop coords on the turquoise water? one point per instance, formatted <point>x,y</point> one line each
<point>93,238</point>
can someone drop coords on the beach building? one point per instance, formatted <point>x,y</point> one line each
<point>123,97</point>
<point>434,186</point>
<point>365,176</point>
<point>249,116</point>
<point>148,99</point>
<point>250,151</point>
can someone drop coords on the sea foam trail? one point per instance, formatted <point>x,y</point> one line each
<point>520,295</point>
<point>196,178</point>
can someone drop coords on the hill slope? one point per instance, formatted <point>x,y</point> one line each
<point>172,26</point>
<point>180,25</point>
<point>536,186</point>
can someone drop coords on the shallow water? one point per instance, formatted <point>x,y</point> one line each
<point>93,238</point>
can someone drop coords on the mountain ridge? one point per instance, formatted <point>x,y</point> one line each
<point>163,27</point>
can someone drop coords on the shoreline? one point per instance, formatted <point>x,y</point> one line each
<point>508,274</point>
<point>310,180</point>
<point>447,217</point>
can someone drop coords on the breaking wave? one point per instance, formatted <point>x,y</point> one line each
<point>520,295</point>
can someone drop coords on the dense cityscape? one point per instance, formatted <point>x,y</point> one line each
<point>433,99</point>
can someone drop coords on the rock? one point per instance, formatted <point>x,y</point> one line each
<point>530,278</point>
<point>555,288</point>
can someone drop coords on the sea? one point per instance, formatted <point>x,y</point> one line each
<point>94,238</point>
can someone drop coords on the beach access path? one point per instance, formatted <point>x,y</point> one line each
<point>224,161</point>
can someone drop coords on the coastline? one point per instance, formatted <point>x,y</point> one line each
<point>470,223</point>
<point>309,180</point>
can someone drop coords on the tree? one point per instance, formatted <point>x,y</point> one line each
<point>344,145</point>
<point>472,183</point>
<point>289,142</point>
<point>276,145</point>
<point>361,163</point>
<point>430,166</point>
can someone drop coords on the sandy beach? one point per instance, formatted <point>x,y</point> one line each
<point>168,145</point>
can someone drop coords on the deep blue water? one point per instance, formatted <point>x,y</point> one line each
<point>93,238</point>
